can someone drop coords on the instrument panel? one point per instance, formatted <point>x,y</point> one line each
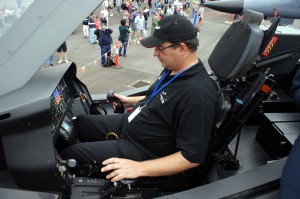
<point>41,126</point>
<point>59,103</point>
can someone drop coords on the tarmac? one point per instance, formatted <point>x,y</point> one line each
<point>140,67</point>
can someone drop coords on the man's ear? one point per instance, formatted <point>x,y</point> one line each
<point>183,48</point>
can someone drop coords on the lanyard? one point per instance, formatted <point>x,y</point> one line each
<point>157,89</point>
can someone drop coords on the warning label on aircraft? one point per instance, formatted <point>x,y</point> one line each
<point>270,46</point>
<point>265,88</point>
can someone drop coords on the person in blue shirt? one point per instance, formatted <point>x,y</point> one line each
<point>104,41</point>
<point>290,180</point>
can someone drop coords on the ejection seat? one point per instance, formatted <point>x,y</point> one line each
<point>234,55</point>
<point>242,85</point>
<point>230,61</point>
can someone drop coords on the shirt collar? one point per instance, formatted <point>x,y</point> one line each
<point>197,68</point>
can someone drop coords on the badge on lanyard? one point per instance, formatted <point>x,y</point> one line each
<point>135,113</point>
<point>156,90</point>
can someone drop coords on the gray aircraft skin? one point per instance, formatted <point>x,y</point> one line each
<point>30,143</point>
<point>15,52</point>
<point>285,9</point>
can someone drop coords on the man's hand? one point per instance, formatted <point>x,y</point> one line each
<point>127,101</point>
<point>121,169</point>
<point>124,99</point>
<point>129,169</point>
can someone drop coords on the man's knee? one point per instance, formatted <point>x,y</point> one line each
<point>82,125</point>
<point>83,120</point>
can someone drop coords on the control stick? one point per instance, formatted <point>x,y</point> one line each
<point>110,97</point>
<point>69,162</point>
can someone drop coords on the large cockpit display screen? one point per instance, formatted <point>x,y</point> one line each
<point>59,103</point>
<point>57,96</point>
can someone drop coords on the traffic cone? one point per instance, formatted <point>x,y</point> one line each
<point>116,57</point>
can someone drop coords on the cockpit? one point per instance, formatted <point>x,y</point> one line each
<point>39,106</point>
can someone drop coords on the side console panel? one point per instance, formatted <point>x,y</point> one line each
<point>36,123</point>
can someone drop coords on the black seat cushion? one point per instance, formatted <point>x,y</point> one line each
<point>236,50</point>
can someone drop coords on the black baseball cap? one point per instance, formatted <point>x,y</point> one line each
<point>172,28</point>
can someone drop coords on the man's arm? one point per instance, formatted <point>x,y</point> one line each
<point>91,22</point>
<point>129,169</point>
<point>129,101</point>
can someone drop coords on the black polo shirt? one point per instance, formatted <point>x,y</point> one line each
<point>179,118</point>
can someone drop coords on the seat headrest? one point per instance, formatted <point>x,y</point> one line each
<point>238,47</point>
<point>253,17</point>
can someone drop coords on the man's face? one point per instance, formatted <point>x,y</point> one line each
<point>167,55</point>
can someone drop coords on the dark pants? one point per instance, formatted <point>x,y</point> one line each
<point>290,180</point>
<point>92,131</point>
<point>124,47</point>
<point>105,49</point>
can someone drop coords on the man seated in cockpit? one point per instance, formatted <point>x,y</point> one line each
<point>169,129</point>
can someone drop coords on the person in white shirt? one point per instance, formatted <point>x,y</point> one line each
<point>201,14</point>
<point>110,7</point>
<point>118,5</point>
<point>135,4</point>
<point>104,12</point>
<point>140,25</point>
<point>168,10</point>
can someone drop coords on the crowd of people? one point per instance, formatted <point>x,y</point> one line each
<point>137,21</point>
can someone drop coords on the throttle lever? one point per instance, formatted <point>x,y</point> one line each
<point>69,162</point>
<point>110,97</point>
